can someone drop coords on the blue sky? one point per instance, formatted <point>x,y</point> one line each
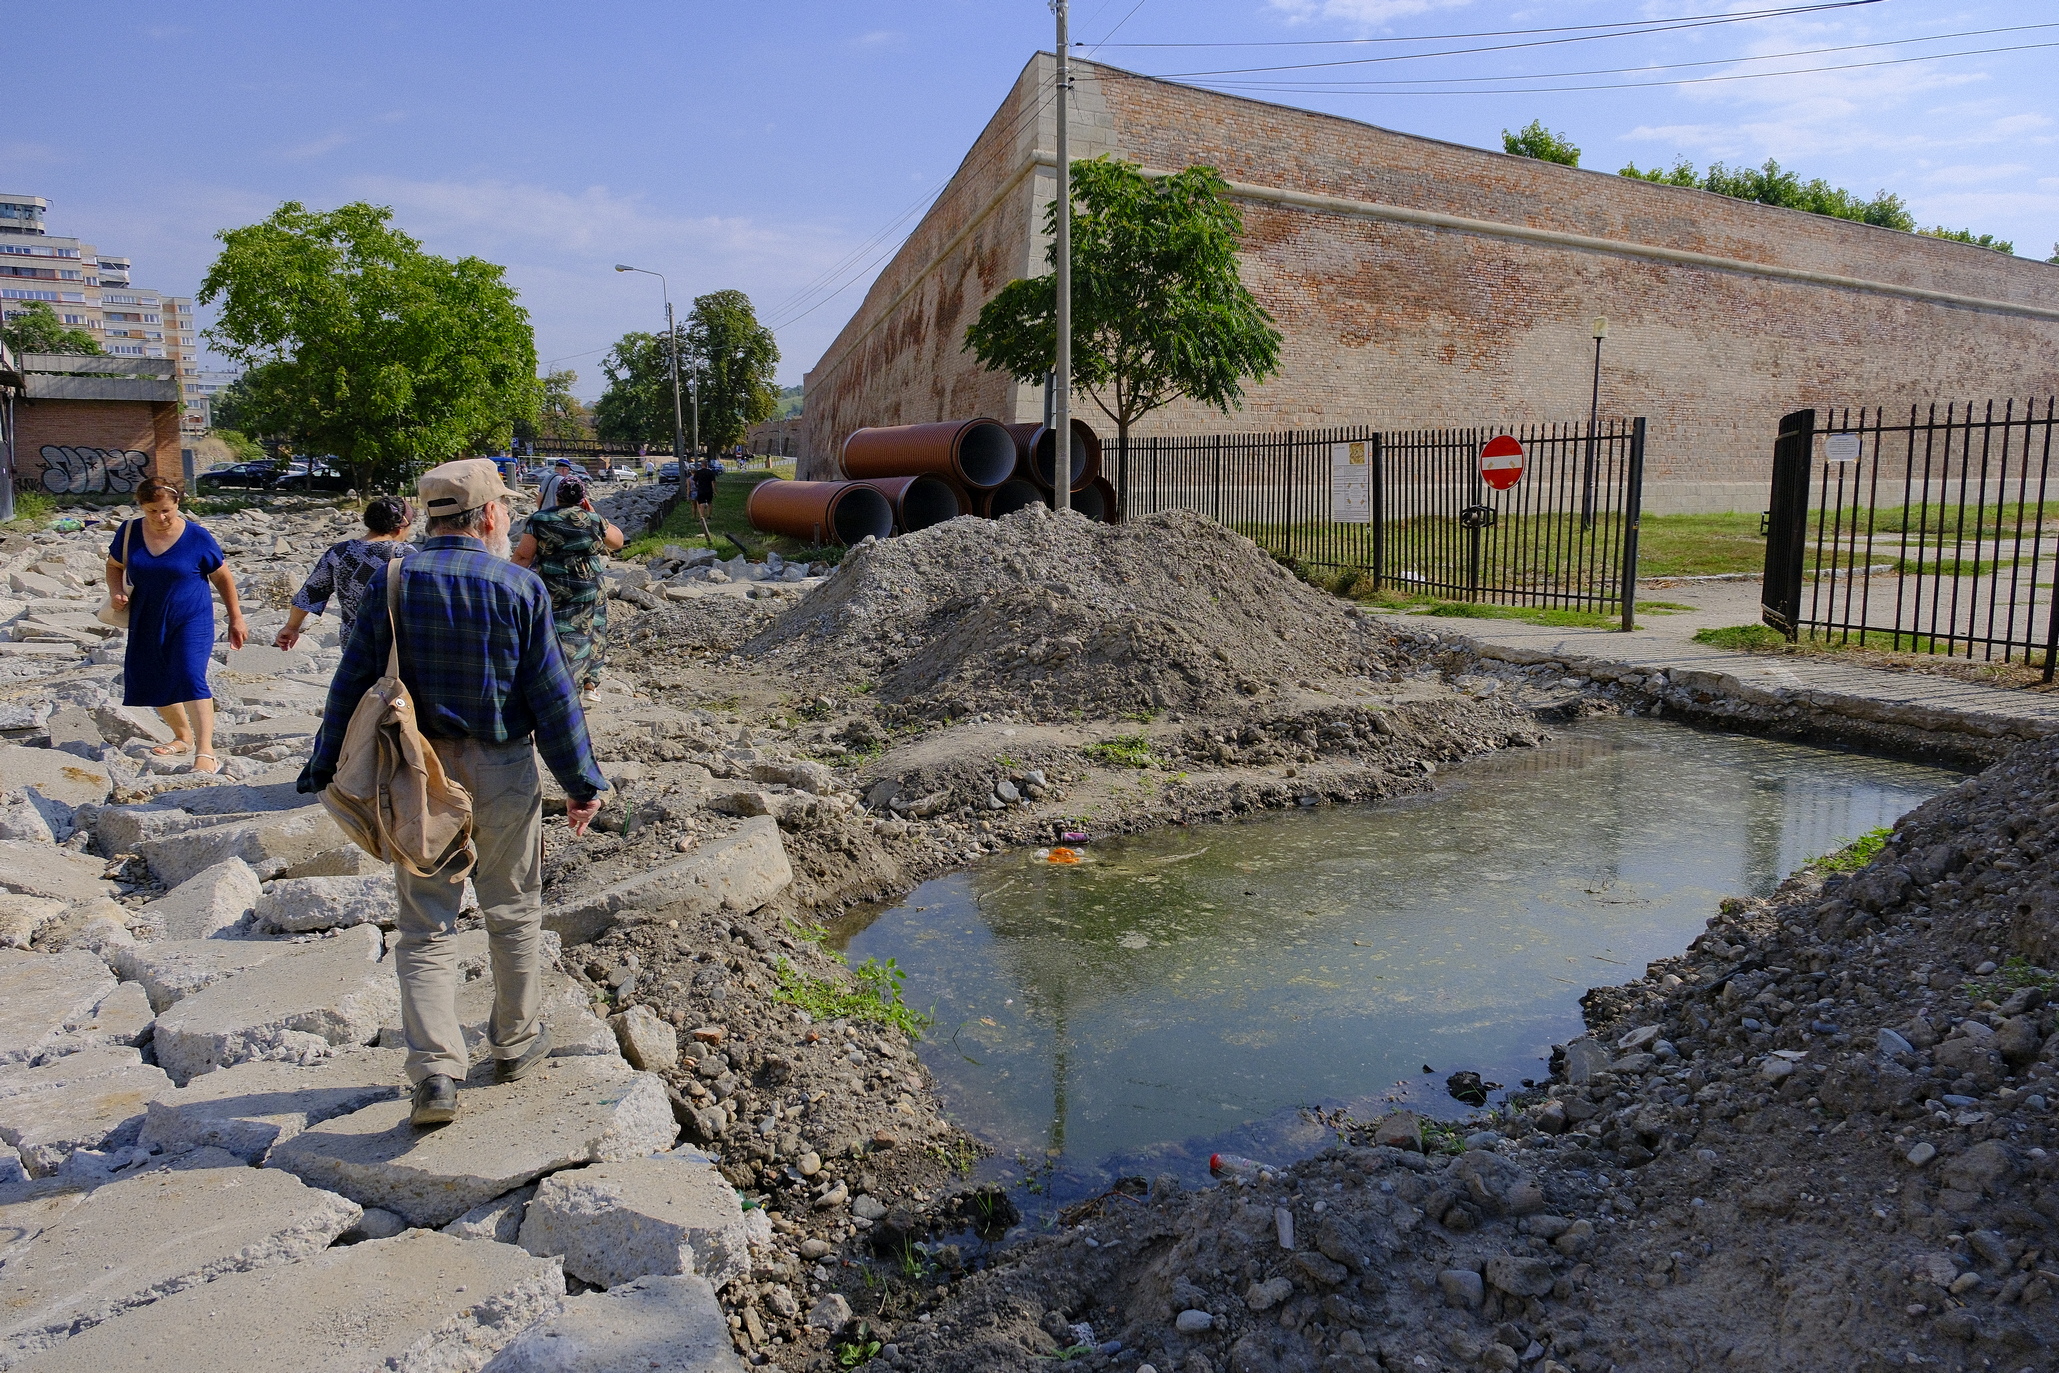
<point>757,146</point>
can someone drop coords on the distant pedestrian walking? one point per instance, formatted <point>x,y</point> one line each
<point>160,567</point>
<point>564,547</point>
<point>704,488</point>
<point>345,569</point>
<point>478,653</point>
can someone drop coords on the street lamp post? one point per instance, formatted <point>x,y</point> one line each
<point>1601,331</point>
<point>1061,407</point>
<point>672,347</point>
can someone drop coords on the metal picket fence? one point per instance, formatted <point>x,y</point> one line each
<point>1565,536</point>
<point>1926,533</point>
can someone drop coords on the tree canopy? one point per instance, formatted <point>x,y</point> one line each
<point>735,360</point>
<point>1158,311</point>
<point>361,345</point>
<point>1773,184</point>
<point>35,328</point>
<point>559,414</point>
<point>637,406</point>
<point>1534,140</point>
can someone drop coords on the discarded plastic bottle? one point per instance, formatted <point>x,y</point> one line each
<point>1073,837</point>
<point>1235,1165</point>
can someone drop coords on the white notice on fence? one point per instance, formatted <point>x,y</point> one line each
<point>1351,484</point>
<point>1841,447</point>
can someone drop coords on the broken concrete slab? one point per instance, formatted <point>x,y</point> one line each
<point>572,1111</point>
<point>119,829</point>
<point>94,1099</point>
<point>647,1042</point>
<point>736,873</point>
<point>119,724</point>
<point>58,775</point>
<point>270,845</point>
<point>669,1214</point>
<point>347,860</point>
<point>31,869</point>
<point>249,1109</point>
<point>300,904</point>
<point>654,1325</point>
<point>42,996</point>
<point>225,799</point>
<point>146,1236</point>
<point>22,916</point>
<point>499,1220</point>
<point>419,1301</point>
<point>123,1017</point>
<point>215,898</point>
<point>176,968</point>
<point>337,989</point>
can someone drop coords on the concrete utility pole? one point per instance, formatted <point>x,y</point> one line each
<point>1061,405</point>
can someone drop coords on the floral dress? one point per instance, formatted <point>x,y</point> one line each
<point>568,558</point>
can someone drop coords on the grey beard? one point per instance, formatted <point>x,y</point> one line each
<point>497,544</point>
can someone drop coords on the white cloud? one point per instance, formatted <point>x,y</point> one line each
<point>560,247</point>
<point>320,146</point>
<point>1360,13</point>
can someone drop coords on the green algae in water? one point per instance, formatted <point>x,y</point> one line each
<point>1183,984</point>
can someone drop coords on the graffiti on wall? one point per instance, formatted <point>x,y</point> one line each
<point>68,471</point>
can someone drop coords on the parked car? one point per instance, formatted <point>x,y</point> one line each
<point>248,475</point>
<point>311,474</point>
<point>669,472</point>
<point>619,472</point>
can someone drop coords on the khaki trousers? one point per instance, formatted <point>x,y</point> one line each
<point>507,820</point>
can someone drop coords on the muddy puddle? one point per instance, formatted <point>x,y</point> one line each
<point>1195,989</point>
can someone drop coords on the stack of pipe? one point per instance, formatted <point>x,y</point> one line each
<point>914,476</point>
<point>917,475</point>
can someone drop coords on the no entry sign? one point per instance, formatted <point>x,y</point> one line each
<point>1501,462</point>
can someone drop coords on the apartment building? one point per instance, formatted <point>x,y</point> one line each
<point>93,291</point>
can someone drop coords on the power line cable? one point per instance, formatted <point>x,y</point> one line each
<point>1312,88</point>
<point>1628,26</point>
<point>1704,62</point>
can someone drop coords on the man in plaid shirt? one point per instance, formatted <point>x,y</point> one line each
<point>480,656</point>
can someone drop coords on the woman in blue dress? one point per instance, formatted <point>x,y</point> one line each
<point>163,579</point>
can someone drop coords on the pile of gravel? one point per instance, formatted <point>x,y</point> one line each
<point>1043,616</point>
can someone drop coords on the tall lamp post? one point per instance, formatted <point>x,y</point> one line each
<point>1601,331</point>
<point>1061,408</point>
<point>672,347</point>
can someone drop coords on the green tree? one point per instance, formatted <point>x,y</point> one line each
<point>1158,311</point>
<point>1773,184</point>
<point>733,358</point>
<point>2000,245</point>
<point>34,328</point>
<point>361,345</point>
<point>230,408</point>
<point>1534,140</point>
<point>637,406</point>
<point>559,413</point>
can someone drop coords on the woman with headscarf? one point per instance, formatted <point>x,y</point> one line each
<point>346,568</point>
<point>564,546</point>
<point>159,568</point>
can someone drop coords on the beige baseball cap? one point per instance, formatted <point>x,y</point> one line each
<point>459,486</point>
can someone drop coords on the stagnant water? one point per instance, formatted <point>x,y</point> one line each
<point>1191,988</point>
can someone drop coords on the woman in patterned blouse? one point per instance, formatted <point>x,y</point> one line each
<point>342,573</point>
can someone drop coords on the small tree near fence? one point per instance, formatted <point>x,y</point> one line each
<point>1158,311</point>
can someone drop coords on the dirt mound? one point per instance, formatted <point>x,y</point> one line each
<point>1043,616</point>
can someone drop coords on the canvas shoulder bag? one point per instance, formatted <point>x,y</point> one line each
<point>109,613</point>
<point>391,794</point>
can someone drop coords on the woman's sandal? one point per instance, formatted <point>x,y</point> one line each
<point>206,772</point>
<point>176,748</point>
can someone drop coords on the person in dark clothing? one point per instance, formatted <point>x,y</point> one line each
<point>343,572</point>
<point>704,477</point>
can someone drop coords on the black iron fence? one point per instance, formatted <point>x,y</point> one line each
<point>1412,509</point>
<point>586,448</point>
<point>1926,533</point>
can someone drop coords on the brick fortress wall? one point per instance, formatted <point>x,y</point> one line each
<point>1405,324</point>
